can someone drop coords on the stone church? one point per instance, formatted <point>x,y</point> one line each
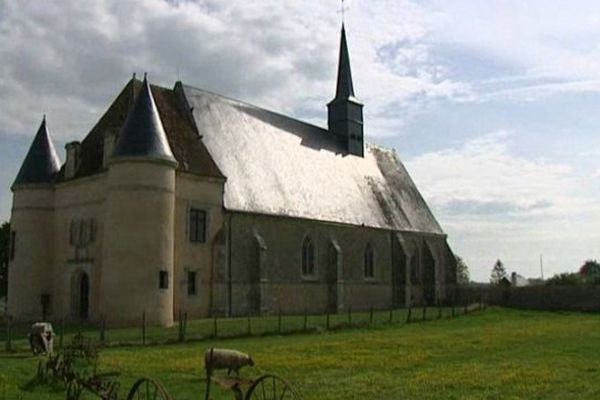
<point>185,199</point>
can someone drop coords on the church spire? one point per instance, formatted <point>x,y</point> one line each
<point>345,88</point>
<point>345,116</point>
<point>41,162</point>
<point>143,134</point>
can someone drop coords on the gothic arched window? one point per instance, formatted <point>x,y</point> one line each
<point>308,257</point>
<point>369,262</point>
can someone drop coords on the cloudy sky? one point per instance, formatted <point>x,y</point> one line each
<point>494,106</point>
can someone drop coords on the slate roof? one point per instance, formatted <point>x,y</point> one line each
<point>183,140</point>
<point>142,134</point>
<point>281,166</point>
<point>41,162</point>
<point>273,164</point>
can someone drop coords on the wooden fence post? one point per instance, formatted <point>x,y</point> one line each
<point>305,320</point>
<point>144,328</point>
<point>408,316</point>
<point>62,332</point>
<point>279,321</point>
<point>9,333</point>
<point>180,326</point>
<point>215,330</point>
<point>102,328</point>
<point>184,325</point>
<point>248,325</point>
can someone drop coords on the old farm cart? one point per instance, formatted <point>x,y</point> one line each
<point>266,387</point>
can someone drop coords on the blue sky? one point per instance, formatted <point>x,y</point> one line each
<point>491,105</point>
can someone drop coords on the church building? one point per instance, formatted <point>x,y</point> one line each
<point>183,199</point>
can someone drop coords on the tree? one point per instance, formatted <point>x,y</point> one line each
<point>590,269</point>
<point>462,271</point>
<point>498,273</point>
<point>4,243</point>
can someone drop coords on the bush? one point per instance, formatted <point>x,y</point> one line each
<point>565,279</point>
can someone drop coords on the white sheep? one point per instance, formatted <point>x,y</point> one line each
<point>41,338</point>
<point>232,360</point>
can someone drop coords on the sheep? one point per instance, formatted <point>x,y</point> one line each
<point>232,360</point>
<point>41,338</point>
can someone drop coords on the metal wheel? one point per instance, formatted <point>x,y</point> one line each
<point>41,371</point>
<point>74,390</point>
<point>148,389</point>
<point>271,387</point>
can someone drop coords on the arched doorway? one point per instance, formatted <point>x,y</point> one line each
<point>84,296</point>
<point>335,290</point>
<point>255,273</point>
<point>81,295</point>
<point>428,275</point>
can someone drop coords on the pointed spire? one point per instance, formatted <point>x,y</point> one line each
<point>344,112</point>
<point>41,162</point>
<point>345,88</point>
<point>142,134</point>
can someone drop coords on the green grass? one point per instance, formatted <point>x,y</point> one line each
<point>494,354</point>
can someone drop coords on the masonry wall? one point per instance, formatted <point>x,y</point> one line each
<point>205,194</point>
<point>30,272</point>
<point>78,202</point>
<point>273,245</point>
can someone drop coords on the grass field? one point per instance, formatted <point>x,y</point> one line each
<point>494,354</point>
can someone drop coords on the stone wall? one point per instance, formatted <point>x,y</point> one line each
<point>266,261</point>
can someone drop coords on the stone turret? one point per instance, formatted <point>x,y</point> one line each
<point>138,251</point>
<point>345,116</point>
<point>31,222</point>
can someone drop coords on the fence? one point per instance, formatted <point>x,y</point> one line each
<point>14,334</point>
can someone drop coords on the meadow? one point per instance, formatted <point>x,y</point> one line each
<point>491,354</point>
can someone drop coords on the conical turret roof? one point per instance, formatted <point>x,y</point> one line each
<point>345,88</point>
<point>41,162</point>
<point>142,134</point>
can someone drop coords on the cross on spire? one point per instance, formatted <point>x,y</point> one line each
<point>343,11</point>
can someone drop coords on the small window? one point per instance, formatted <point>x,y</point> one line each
<point>369,262</point>
<point>73,234</point>
<point>308,257</point>
<point>92,231</point>
<point>11,248</point>
<point>197,225</point>
<point>81,240</point>
<point>163,280</point>
<point>191,283</point>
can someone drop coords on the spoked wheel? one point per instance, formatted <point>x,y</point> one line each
<point>41,371</point>
<point>74,390</point>
<point>148,389</point>
<point>271,387</point>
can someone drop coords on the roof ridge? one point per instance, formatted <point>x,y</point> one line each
<point>245,103</point>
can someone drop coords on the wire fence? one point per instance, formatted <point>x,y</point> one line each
<point>14,334</point>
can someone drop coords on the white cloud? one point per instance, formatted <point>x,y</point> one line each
<point>495,204</point>
<point>483,177</point>
<point>70,58</point>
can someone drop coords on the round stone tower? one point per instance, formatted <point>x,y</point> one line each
<point>31,224</point>
<point>138,243</point>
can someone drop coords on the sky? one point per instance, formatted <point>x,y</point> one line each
<point>493,106</point>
